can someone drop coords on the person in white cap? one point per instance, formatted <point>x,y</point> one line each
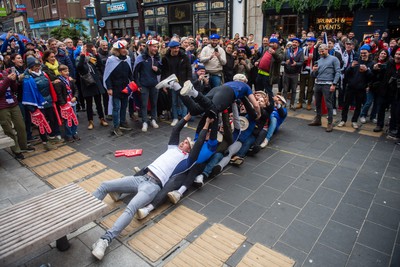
<point>117,75</point>
<point>145,71</point>
<point>178,158</point>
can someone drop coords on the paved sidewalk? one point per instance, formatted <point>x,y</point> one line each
<point>321,199</point>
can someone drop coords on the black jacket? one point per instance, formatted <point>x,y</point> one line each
<point>184,68</point>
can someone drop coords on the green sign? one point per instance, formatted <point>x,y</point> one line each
<point>3,12</point>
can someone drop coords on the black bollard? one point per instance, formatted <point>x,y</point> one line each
<point>63,244</point>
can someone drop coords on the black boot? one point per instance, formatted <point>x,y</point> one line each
<point>315,122</point>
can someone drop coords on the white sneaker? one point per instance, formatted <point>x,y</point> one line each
<point>174,122</point>
<point>341,124</point>
<point>167,82</point>
<point>264,143</point>
<point>363,120</point>
<point>199,180</point>
<point>186,125</point>
<point>136,169</point>
<point>334,112</point>
<point>115,196</point>
<point>99,248</point>
<point>144,127</point>
<point>141,213</point>
<point>154,124</point>
<point>174,196</point>
<point>187,88</point>
<point>374,121</point>
<point>355,125</point>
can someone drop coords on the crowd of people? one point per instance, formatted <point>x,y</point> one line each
<point>228,83</point>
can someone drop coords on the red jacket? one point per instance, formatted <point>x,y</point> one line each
<point>4,85</point>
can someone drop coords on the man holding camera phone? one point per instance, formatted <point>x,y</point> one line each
<point>214,58</point>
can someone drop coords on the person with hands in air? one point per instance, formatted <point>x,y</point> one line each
<point>11,42</point>
<point>178,158</point>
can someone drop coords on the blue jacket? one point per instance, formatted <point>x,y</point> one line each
<point>143,73</point>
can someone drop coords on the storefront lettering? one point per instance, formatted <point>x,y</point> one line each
<point>332,23</point>
<point>117,7</point>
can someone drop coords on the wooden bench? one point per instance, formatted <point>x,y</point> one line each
<point>5,140</point>
<point>37,222</point>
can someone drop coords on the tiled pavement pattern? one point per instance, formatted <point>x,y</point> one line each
<point>321,199</point>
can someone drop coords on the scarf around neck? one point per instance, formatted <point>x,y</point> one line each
<point>53,67</point>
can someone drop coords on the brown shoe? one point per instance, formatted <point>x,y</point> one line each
<point>103,122</point>
<point>308,106</point>
<point>315,122</point>
<point>329,128</point>
<point>91,125</point>
<point>299,106</point>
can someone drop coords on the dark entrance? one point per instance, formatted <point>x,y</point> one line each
<point>181,29</point>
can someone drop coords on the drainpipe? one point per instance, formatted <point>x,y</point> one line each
<point>245,18</point>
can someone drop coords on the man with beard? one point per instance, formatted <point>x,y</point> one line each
<point>213,57</point>
<point>358,76</point>
<point>292,63</point>
<point>104,54</point>
<point>176,62</point>
<point>327,74</point>
<point>269,67</point>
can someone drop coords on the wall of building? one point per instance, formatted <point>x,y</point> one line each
<point>238,15</point>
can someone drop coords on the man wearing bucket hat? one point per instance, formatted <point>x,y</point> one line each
<point>214,58</point>
<point>117,75</point>
<point>179,157</point>
<point>146,69</point>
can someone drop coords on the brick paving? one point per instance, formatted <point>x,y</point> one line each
<point>321,199</point>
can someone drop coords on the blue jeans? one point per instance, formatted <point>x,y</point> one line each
<point>246,146</point>
<point>119,110</point>
<point>368,103</point>
<point>271,127</point>
<point>215,80</point>
<point>147,93</point>
<point>212,162</point>
<point>145,191</point>
<point>70,131</point>
<point>177,105</point>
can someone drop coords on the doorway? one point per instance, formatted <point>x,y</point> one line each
<point>181,29</point>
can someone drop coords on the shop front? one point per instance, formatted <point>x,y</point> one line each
<point>186,17</point>
<point>121,18</point>
<point>43,29</point>
<point>361,21</point>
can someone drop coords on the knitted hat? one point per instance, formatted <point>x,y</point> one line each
<point>273,40</point>
<point>32,61</point>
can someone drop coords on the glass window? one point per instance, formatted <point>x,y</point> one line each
<point>128,23</point>
<point>121,23</point>
<point>149,12</point>
<point>218,23</point>
<point>115,24</point>
<point>201,22</point>
<point>161,11</point>
<point>108,24</point>
<point>150,24</point>
<point>136,25</point>
<point>162,25</point>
